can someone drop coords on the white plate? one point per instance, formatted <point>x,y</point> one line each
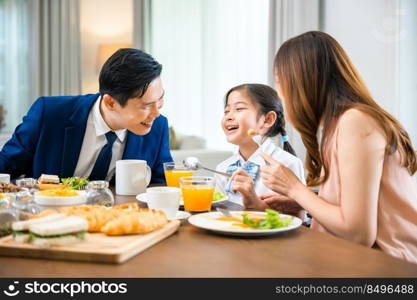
<point>208,221</point>
<point>142,198</point>
<point>181,215</point>
<point>61,201</point>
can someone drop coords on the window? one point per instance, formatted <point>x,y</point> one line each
<point>206,47</point>
<point>408,67</point>
<point>14,61</point>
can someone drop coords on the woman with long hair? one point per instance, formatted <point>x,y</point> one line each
<point>359,155</point>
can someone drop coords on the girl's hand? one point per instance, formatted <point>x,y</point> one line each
<point>279,178</point>
<point>243,183</point>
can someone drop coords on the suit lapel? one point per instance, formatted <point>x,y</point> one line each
<point>74,134</point>
<point>133,144</point>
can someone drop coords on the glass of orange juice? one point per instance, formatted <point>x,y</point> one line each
<point>197,192</point>
<point>173,173</point>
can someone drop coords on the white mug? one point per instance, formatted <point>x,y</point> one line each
<point>4,178</point>
<point>164,198</point>
<point>132,176</point>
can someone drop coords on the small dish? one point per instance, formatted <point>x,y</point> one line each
<point>181,215</point>
<point>142,198</point>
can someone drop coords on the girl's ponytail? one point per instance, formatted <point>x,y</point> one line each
<point>285,142</point>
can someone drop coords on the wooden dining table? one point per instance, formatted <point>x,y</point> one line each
<point>195,252</point>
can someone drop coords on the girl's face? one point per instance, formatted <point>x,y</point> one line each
<point>240,114</point>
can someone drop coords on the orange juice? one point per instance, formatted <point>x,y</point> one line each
<point>197,197</point>
<point>173,176</point>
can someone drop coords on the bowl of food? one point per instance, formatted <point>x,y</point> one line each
<point>60,197</point>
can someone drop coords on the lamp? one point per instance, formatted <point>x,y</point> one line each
<point>106,50</point>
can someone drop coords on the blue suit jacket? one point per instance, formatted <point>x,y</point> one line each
<point>50,137</point>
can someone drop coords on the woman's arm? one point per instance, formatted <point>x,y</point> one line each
<point>360,153</point>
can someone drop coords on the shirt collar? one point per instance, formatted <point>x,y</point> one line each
<point>101,126</point>
<point>267,147</point>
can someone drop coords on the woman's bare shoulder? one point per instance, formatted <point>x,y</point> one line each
<point>359,124</point>
<point>356,115</point>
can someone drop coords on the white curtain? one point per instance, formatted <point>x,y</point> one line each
<point>289,18</point>
<point>206,47</point>
<point>142,12</point>
<point>408,66</point>
<point>382,44</point>
<point>14,84</point>
<point>55,47</point>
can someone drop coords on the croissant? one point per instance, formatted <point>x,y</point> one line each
<point>126,218</point>
<point>44,213</point>
<point>143,221</point>
<point>96,216</point>
<point>131,206</point>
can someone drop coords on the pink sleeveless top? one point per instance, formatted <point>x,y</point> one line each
<point>397,207</point>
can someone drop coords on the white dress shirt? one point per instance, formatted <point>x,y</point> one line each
<point>94,140</point>
<point>287,159</point>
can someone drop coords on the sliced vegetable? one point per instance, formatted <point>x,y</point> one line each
<point>76,183</point>
<point>272,220</point>
<point>80,235</point>
<point>218,196</point>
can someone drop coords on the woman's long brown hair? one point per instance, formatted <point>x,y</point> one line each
<point>319,83</point>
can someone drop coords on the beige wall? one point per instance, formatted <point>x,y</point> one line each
<point>102,22</point>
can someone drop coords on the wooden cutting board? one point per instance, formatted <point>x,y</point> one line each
<point>96,248</point>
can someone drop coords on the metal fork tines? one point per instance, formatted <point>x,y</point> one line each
<point>224,211</point>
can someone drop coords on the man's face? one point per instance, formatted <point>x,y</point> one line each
<point>138,114</point>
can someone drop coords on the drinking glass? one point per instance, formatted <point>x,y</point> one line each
<point>173,173</point>
<point>98,193</point>
<point>29,183</point>
<point>24,204</point>
<point>197,192</point>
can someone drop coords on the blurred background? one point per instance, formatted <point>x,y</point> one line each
<point>206,47</point>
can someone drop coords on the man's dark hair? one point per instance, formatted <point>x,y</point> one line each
<point>127,74</point>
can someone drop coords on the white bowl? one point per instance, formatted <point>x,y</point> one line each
<point>61,201</point>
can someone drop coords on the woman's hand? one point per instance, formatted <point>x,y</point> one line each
<point>243,183</point>
<point>279,178</point>
<point>281,203</point>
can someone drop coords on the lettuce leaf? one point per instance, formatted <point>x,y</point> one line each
<point>218,196</point>
<point>80,235</point>
<point>272,220</point>
<point>76,183</point>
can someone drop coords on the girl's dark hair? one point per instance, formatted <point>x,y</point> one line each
<point>127,74</point>
<point>266,99</point>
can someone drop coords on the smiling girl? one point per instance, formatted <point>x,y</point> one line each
<point>253,106</point>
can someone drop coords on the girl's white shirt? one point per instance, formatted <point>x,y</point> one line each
<point>287,159</point>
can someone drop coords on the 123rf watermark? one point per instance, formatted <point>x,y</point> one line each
<point>62,288</point>
<point>365,289</point>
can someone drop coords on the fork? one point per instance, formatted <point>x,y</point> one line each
<point>224,211</point>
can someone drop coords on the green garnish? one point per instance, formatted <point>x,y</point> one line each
<point>273,220</point>
<point>80,235</point>
<point>75,183</point>
<point>218,196</point>
<point>23,232</point>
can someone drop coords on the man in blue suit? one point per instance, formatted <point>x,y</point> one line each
<point>85,135</point>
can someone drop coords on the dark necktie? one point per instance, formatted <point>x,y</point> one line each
<point>101,167</point>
